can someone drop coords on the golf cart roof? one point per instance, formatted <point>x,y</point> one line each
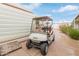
<point>43,18</point>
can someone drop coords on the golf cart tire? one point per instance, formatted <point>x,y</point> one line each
<point>28,44</point>
<point>53,38</point>
<point>43,49</point>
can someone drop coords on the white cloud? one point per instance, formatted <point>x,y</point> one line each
<point>36,4</point>
<point>50,15</point>
<point>63,21</point>
<point>32,6</point>
<point>67,8</point>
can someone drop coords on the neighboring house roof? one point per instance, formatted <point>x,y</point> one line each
<point>77,16</point>
<point>77,19</point>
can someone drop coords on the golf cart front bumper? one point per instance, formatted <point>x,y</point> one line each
<point>37,44</point>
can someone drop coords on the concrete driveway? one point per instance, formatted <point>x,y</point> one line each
<point>62,46</point>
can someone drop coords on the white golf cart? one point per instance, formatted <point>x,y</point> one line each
<point>42,34</point>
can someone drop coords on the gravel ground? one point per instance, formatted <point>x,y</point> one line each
<point>62,46</point>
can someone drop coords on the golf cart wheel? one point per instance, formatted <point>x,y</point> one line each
<point>53,38</point>
<point>28,44</point>
<point>44,49</point>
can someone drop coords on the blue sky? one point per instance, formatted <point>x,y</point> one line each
<point>58,11</point>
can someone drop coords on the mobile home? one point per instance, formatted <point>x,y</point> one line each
<point>15,22</point>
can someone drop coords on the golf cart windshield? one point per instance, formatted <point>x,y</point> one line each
<point>41,24</point>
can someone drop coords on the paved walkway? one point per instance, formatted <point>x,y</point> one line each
<point>62,46</point>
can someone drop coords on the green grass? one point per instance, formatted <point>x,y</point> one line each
<point>73,33</point>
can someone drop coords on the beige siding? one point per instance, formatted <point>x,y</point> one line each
<point>76,26</point>
<point>14,23</point>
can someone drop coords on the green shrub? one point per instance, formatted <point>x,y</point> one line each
<point>73,33</point>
